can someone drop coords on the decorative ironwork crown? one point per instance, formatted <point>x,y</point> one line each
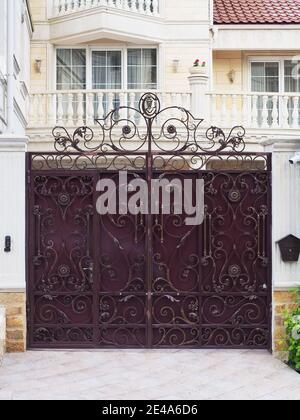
<point>147,128</point>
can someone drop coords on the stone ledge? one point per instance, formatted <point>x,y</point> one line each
<point>2,332</point>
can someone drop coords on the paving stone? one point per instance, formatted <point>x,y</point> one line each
<point>188,375</point>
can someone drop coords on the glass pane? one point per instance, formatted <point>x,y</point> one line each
<point>149,76</point>
<point>288,67</point>
<point>291,84</point>
<point>272,69</point>
<point>78,75</point>
<point>63,57</point>
<point>150,57</point>
<point>99,58</point>
<point>99,77</point>
<point>134,77</point>
<point>134,57</point>
<point>265,77</point>
<point>292,76</point>
<point>63,75</point>
<point>78,58</point>
<point>272,84</point>
<point>114,78</point>
<point>257,69</point>
<point>258,84</point>
<point>114,58</point>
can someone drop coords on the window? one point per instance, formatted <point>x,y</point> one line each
<point>291,76</point>
<point>71,69</point>
<point>265,77</point>
<point>107,69</point>
<point>142,68</point>
<point>280,76</point>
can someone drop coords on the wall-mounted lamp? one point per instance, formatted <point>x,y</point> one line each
<point>231,76</point>
<point>176,65</point>
<point>38,65</point>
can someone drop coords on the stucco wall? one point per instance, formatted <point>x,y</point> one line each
<point>223,63</point>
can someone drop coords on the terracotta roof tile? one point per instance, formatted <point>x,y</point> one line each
<point>257,11</point>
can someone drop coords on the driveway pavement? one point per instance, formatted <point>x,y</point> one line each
<point>185,375</point>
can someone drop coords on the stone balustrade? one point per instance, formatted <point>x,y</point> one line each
<point>65,7</point>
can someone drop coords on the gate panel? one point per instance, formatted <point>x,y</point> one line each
<point>61,289</point>
<point>176,275</point>
<point>236,270</point>
<point>122,278</point>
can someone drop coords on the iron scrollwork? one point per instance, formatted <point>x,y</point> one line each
<point>143,281</point>
<point>127,129</point>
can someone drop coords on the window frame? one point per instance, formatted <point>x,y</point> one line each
<point>270,59</point>
<point>141,48</point>
<point>70,48</point>
<point>124,54</point>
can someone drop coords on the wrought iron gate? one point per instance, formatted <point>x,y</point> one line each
<point>149,280</point>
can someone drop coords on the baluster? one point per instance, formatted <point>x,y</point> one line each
<point>110,3</point>
<point>223,109</point>
<point>70,112</point>
<point>148,7</point>
<point>295,115</point>
<point>275,112</point>
<point>212,107</point>
<point>234,113</point>
<point>71,5</point>
<point>123,103</point>
<point>155,6</point>
<point>88,4</point>
<point>137,5</point>
<point>40,109</point>
<point>80,110</point>
<point>67,6</point>
<point>76,5</point>
<point>32,108</point>
<point>110,102</point>
<point>162,98</point>
<point>265,112</point>
<point>127,6</point>
<point>254,112</point>
<point>174,104</point>
<point>57,7</point>
<point>285,112</point>
<point>132,106</point>
<point>60,109</point>
<point>100,108</point>
<point>90,109</point>
<point>179,100</point>
<point>50,110</point>
<point>245,110</point>
<point>185,101</point>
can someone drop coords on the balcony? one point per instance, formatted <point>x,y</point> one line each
<point>67,7</point>
<point>77,108</point>
<point>263,112</point>
<point>255,110</point>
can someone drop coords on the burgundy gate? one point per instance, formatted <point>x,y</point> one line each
<point>149,281</point>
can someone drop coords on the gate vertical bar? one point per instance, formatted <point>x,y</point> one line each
<point>270,250</point>
<point>149,238</point>
<point>96,272</point>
